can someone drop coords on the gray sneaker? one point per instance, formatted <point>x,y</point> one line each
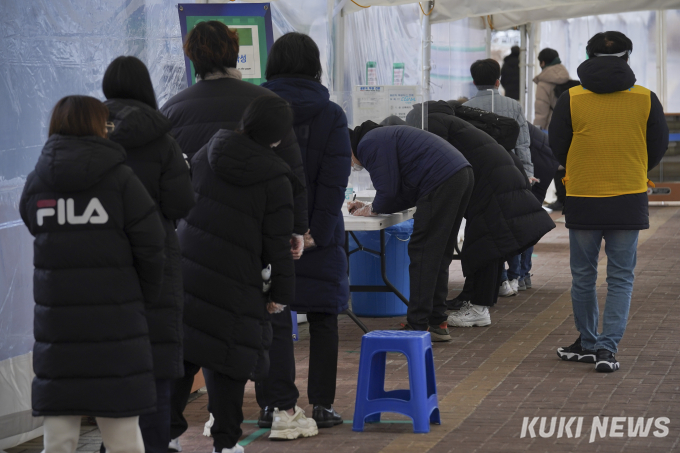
<point>289,427</point>
<point>521,285</point>
<point>439,333</point>
<point>527,281</point>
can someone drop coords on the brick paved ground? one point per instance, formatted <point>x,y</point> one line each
<point>490,379</point>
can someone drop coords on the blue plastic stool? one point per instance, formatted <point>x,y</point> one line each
<point>419,402</point>
<point>293,315</point>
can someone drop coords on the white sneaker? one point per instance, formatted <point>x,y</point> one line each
<point>235,449</point>
<point>514,284</point>
<point>506,290</point>
<point>174,445</point>
<point>208,425</point>
<point>470,316</point>
<point>289,427</point>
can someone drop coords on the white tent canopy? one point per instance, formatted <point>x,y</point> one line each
<point>511,13</point>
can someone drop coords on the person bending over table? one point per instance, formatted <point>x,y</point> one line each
<point>410,167</point>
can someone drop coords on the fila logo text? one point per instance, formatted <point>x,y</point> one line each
<point>65,212</point>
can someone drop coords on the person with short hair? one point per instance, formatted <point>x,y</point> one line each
<point>553,73</point>
<point>98,256</point>
<point>608,134</point>
<point>486,75</point>
<point>158,162</point>
<point>217,102</point>
<point>241,224</point>
<point>322,288</point>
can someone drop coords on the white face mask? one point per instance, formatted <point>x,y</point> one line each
<point>619,55</point>
<point>356,167</point>
<point>274,145</point>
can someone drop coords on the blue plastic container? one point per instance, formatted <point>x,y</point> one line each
<point>365,270</point>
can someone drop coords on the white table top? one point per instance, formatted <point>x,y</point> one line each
<point>379,222</point>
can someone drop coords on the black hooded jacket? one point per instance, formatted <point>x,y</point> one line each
<point>604,75</point>
<point>510,76</point>
<point>204,108</point>
<point>157,161</point>
<point>242,221</point>
<point>503,217</point>
<point>98,257</point>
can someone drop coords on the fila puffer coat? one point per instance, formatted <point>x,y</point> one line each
<point>98,256</point>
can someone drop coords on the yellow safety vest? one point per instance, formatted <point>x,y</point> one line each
<point>608,152</point>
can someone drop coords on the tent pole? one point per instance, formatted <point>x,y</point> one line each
<point>530,73</point>
<point>338,45</point>
<point>487,24</point>
<point>661,49</point>
<point>426,41</point>
<point>523,67</point>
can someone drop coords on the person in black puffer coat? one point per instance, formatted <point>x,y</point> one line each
<point>217,101</point>
<point>503,216</point>
<point>242,222</point>
<point>98,264</point>
<point>156,159</point>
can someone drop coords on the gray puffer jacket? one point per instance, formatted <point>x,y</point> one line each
<point>510,108</point>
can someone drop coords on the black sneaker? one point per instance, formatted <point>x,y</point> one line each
<point>606,361</point>
<point>575,353</point>
<point>326,417</point>
<point>456,303</point>
<point>555,206</point>
<point>266,418</point>
<point>527,281</point>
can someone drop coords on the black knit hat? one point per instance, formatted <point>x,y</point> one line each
<point>267,120</point>
<point>358,133</point>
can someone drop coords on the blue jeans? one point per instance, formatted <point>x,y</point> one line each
<point>514,269</point>
<point>621,249</point>
<point>525,262</point>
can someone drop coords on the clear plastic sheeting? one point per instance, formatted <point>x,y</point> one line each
<point>384,35</point>
<point>53,48</point>
<point>303,16</point>
<point>50,49</point>
<point>569,37</point>
<point>673,61</point>
<point>455,46</point>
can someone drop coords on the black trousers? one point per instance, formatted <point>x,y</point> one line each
<point>482,287</point>
<point>155,427</point>
<point>559,186</point>
<point>279,390</point>
<point>225,402</point>
<point>435,232</point>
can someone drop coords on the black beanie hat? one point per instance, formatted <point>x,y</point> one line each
<point>267,120</point>
<point>358,133</point>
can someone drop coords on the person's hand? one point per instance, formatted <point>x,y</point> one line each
<point>366,211</point>
<point>354,205</point>
<point>309,241</point>
<point>533,180</point>
<point>273,307</point>
<point>297,246</point>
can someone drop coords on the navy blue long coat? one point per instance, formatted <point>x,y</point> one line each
<point>320,125</point>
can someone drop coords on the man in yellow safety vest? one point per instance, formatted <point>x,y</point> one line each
<point>607,133</point>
